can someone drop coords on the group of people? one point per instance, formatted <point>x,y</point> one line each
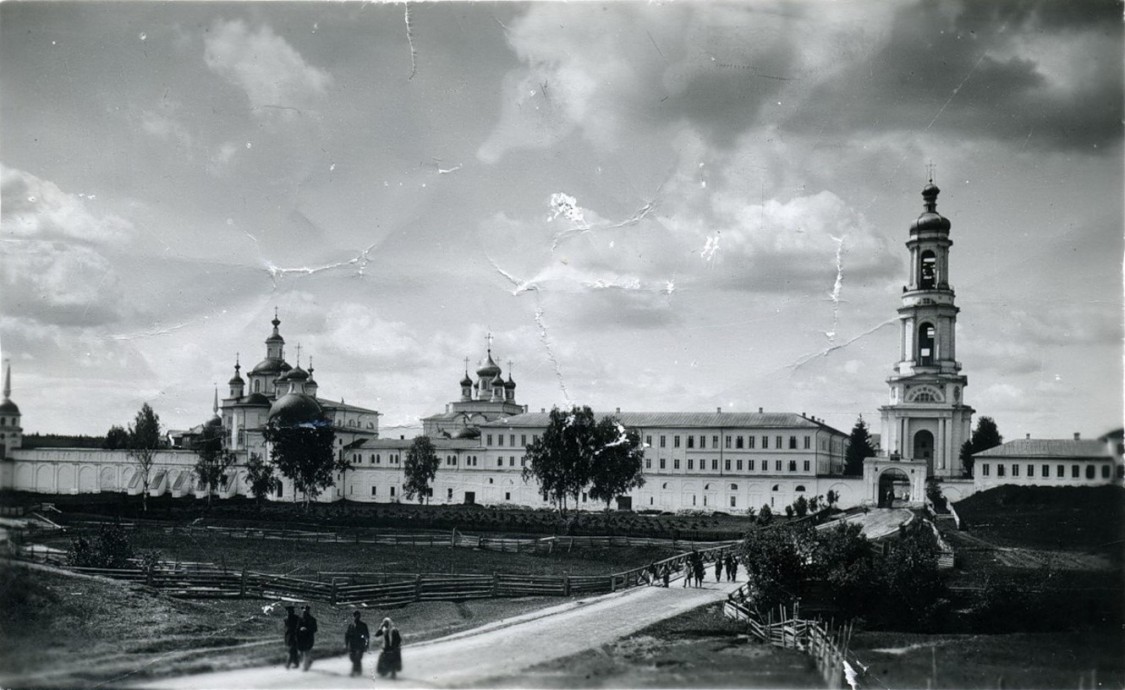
<point>694,570</point>
<point>300,634</point>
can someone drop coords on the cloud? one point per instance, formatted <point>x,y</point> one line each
<point>58,282</point>
<point>278,82</point>
<point>37,208</point>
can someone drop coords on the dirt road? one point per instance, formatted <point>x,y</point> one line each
<point>502,648</point>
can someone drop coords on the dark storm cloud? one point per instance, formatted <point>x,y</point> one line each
<point>967,74</point>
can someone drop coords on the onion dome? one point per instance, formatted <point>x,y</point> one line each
<point>466,381</point>
<point>510,384</point>
<point>267,366</point>
<point>296,409</point>
<point>297,374</point>
<point>7,407</point>
<point>237,378</point>
<point>498,381</point>
<point>275,337</point>
<point>257,399</point>
<point>490,370</point>
<point>930,218</point>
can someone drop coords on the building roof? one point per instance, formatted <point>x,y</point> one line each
<point>401,443</point>
<point>702,420</point>
<point>1046,448</point>
<point>334,405</point>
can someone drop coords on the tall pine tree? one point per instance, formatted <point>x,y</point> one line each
<point>985,436</point>
<point>859,447</point>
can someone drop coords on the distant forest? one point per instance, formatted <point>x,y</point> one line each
<point>62,441</point>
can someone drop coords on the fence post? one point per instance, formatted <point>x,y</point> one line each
<point>418,587</point>
<point>566,585</point>
<point>613,583</point>
<point>495,585</point>
<point>333,591</point>
<point>242,584</point>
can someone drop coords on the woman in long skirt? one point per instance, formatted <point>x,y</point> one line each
<point>390,659</point>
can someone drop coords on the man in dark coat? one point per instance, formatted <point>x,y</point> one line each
<point>291,623</point>
<point>306,635</point>
<point>356,640</point>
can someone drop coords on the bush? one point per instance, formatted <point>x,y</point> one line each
<point>110,548</point>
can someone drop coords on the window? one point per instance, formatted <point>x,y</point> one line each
<point>258,389</point>
<point>523,439</point>
<point>792,465</point>
<point>702,441</point>
<point>676,464</point>
<point>490,481</point>
<point>750,464</point>
<point>648,441</point>
<point>714,441</point>
<point>800,488</point>
<point>777,465</point>
<point>508,496</point>
<point>449,494</point>
<point>512,461</point>
<point>690,441</point>
<point>663,442</point>
<point>511,439</point>
<point>664,485</point>
<point>499,462</point>
<point>662,463</point>
<point>806,465</point>
<point>1089,471</point>
<point>392,492</point>
<point>765,442</point>
<point>738,465</point>
<point>808,442</point>
<point>737,441</point>
<point>985,469</point>
<point>728,442</point>
<point>378,460</point>
<point>1015,470</point>
<point>648,463</point>
<point>792,443</point>
<point>714,464</point>
<point>733,502</point>
<point>373,490</point>
<point>1060,471</point>
<point>488,440</point>
<point>999,469</point>
<point>691,463</point>
<point>1105,471</point>
<point>1074,471</point>
<point>726,464</point>
<point>500,439</point>
<point>523,461</point>
<point>1031,470</point>
<point>777,443</point>
<point>675,441</point>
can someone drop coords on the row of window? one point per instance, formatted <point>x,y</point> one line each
<point>1045,470</point>
<point>736,465</point>
<point>735,442</point>
<point>377,458</point>
<point>511,440</point>
<point>4,421</point>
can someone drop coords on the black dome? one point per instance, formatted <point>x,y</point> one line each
<point>295,409</point>
<point>9,407</point>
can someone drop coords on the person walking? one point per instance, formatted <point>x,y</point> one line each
<point>718,569</point>
<point>390,659</point>
<point>734,569</point>
<point>356,639</point>
<point>728,561</point>
<point>306,635</point>
<point>291,623</point>
<point>667,575</point>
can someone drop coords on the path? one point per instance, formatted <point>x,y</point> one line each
<point>503,648</point>
<point>877,522</point>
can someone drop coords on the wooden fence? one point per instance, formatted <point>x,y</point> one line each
<point>828,646</point>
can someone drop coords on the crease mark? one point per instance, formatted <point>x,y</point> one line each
<point>565,205</point>
<point>410,42</point>
<point>276,272</point>
<point>545,340</point>
<point>832,348</point>
<point>837,288</point>
<point>153,332</point>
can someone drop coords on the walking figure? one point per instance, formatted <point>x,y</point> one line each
<point>291,623</point>
<point>687,573</point>
<point>390,659</point>
<point>697,566</point>
<point>734,568</point>
<point>667,574</point>
<point>306,635</point>
<point>356,639</point>
<point>718,569</point>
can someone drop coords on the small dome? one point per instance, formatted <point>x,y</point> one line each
<point>214,422</point>
<point>510,384</point>
<point>297,374</point>
<point>466,381</point>
<point>236,379</point>
<point>498,381</point>
<point>930,221</point>
<point>267,366</point>
<point>256,399</point>
<point>295,409</point>
<point>9,408</point>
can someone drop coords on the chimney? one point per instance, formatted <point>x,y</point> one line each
<point>759,410</point>
<point>617,410</point>
<point>718,410</point>
<point>1028,437</point>
<point>1077,436</point>
<point>401,437</point>
<point>542,410</point>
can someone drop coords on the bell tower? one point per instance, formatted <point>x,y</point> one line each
<point>926,420</point>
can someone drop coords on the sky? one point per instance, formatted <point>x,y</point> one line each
<point>650,206</point>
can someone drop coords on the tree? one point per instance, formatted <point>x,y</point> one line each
<point>801,506</point>
<point>985,436</point>
<point>859,447</point>
<point>116,438</point>
<point>261,478</point>
<point>775,564</point>
<point>617,462</point>
<point>831,497</point>
<point>420,468</point>
<point>843,558</point>
<point>765,515</point>
<point>561,459</point>
<point>213,460</point>
<point>305,454</point>
<point>911,588</point>
<point>144,440</point>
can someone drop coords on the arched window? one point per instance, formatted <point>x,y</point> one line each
<point>926,348</point>
<point>734,487</point>
<point>664,486</point>
<point>800,487</point>
<point>257,385</point>
<point>927,270</point>
<point>706,487</point>
<point>776,487</point>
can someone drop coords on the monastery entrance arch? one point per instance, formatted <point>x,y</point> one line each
<point>924,449</point>
<point>894,488</point>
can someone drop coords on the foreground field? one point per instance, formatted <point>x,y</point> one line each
<point>61,630</point>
